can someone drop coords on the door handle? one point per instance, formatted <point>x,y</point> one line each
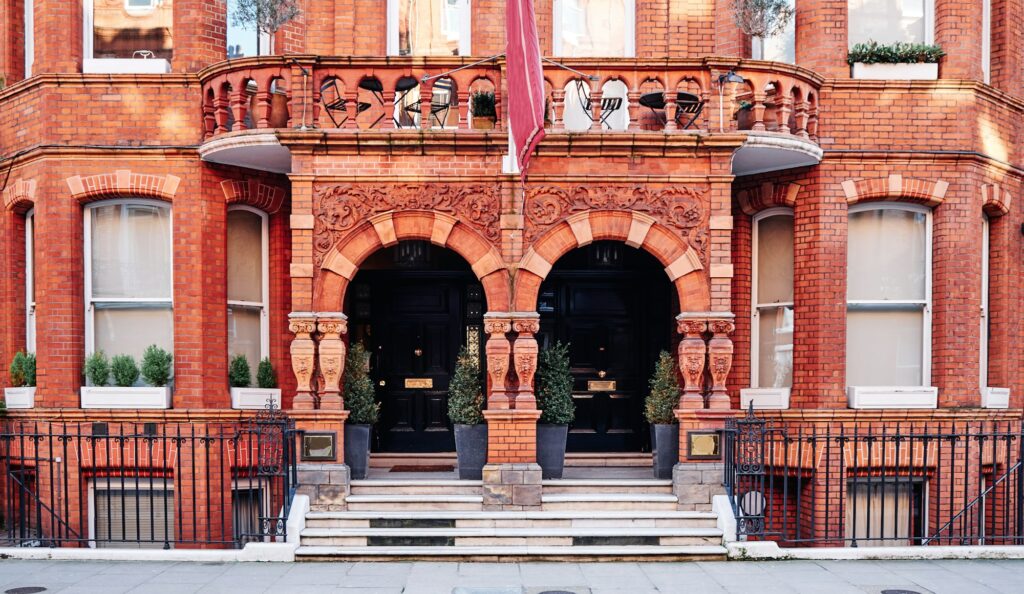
<point>382,383</point>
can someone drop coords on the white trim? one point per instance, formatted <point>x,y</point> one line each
<point>263,306</point>
<point>755,306</point>
<point>885,397</point>
<point>465,28</point>
<point>925,304</point>
<point>629,37</point>
<point>986,40</point>
<point>30,263</point>
<point>116,65</point>
<point>746,550</point>
<point>131,398</point>
<point>765,398</point>
<point>30,36</point>
<point>984,313</point>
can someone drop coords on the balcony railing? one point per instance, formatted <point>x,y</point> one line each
<point>582,95</point>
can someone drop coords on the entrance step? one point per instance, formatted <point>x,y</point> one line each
<point>415,487</point>
<point>510,519</point>
<point>609,459</point>
<point>609,501</point>
<point>569,536</point>
<point>378,502</point>
<point>486,553</point>
<point>563,486</point>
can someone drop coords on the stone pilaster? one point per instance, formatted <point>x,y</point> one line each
<point>499,352</point>
<point>692,357</point>
<point>695,483</point>
<point>303,351</point>
<point>524,355</point>
<point>331,327</point>
<point>720,361</point>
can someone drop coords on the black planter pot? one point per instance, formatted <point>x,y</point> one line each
<point>551,449</point>
<point>665,442</point>
<point>471,448</point>
<point>357,449</point>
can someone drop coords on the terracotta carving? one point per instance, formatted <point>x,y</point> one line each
<point>692,360</point>
<point>720,353</point>
<point>499,351</point>
<point>525,351</point>
<point>303,352</point>
<point>332,361</point>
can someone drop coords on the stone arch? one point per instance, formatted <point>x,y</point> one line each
<point>121,183</point>
<point>342,261</point>
<point>20,195</point>
<point>251,192</point>
<point>767,195</point>
<point>927,192</point>
<point>638,230</point>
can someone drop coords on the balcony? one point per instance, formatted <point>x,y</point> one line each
<point>254,109</point>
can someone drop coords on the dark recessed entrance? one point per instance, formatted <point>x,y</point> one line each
<point>413,306</point>
<point>616,307</point>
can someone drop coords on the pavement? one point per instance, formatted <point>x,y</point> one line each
<point>810,577</point>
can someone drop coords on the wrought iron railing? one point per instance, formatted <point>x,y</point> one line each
<point>159,485</point>
<point>871,483</point>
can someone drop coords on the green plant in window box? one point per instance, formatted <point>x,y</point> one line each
<point>265,376</point>
<point>97,369</point>
<point>484,111</point>
<point>156,366</point>
<point>900,52</point>
<point>17,375</point>
<point>125,370</point>
<point>239,374</point>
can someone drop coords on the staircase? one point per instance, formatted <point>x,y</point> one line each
<point>444,519</point>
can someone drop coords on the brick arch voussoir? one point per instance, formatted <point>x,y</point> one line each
<point>20,195</point>
<point>995,200</point>
<point>123,183</point>
<point>927,192</point>
<point>251,192</point>
<point>767,195</point>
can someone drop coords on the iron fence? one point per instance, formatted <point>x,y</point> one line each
<point>876,483</point>
<point>147,485</point>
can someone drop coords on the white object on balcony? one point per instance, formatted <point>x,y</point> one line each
<point>125,66</point>
<point>892,396</point>
<point>765,398</point>
<point>255,398</point>
<point>910,71</point>
<point>995,398</point>
<point>134,397</point>
<point>20,397</point>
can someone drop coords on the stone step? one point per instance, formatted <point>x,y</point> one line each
<point>609,501</point>
<point>516,551</point>
<point>624,486</point>
<point>497,515</point>
<point>524,532</point>
<point>415,487</point>
<point>378,502</point>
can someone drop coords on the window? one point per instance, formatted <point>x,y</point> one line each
<point>30,281</point>
<point>986,41</point>
<point>889,21</point>
<point>888,320</point>
<point>428,27</point>
<point>885,512</point>
<point>30,44</point>
<point>600,28</point>
<point>247,284</point>
<point>132,513</point>
<point>778,48</point>
<point>136,30</point>
<point>128,277</point>
<point>772,300</point>
<point>983,336</point>
<point>245,41</point>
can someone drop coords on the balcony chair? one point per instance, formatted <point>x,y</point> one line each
<point>403,87</point>
<point>687,104</point>
<point>609,105</point>
<point>441,101</point>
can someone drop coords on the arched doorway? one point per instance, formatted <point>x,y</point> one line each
<point>413,305</point>
<point>616,307</point>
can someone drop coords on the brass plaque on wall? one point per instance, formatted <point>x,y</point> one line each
<point>601,385</point>
<point>703,445</point>
<point>419,383</point>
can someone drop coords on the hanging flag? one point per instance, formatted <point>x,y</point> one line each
<point>525,80</point>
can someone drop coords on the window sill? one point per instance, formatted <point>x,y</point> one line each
<point>20,397</point>
<point>881,397</point>
<point>895,71</point>
<point>126,66</point>
<point>255,398</point>
<point>765,398</point>
<point>995,398</point>
<point>126,398</point>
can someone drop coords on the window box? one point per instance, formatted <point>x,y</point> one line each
<point>765,398</point>
<point>20,397</point>
<point>126,66</point>
<point>134,397</point>
<point>990,398</point>
<point>892,397</point>
<point>254,398</point>
<point>918,71</point>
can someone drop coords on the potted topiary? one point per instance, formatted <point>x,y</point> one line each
<point>127,392</point>
<point>265,16</point>
<point>22,393</point>
<point>895,61</point>
<point>361,401</point>
<point>761,19</point>
<point>484,112</point>
<point>659,409</point>
<point>243,395</point>
<point>554,398</point>
<point>465,409</point>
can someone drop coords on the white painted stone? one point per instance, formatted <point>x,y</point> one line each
<point>765,398</point>
<point>771,550</point>
<point>895,71</point>
<point>254,398</point>
<point>726,520</point>
<point>20,397</point>
<point>125,398</point>
<point>885,397</point>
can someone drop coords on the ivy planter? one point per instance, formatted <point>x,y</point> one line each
<point>551,449</point>
<point>255,398</point>
<point>878,71</point>
<point>133,397</point>
<point>665,443</point>
<point>20,397</point>
<point>471,450</point>
<point>357,449</point>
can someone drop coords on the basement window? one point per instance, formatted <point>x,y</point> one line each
<point>128,36</point>
<point>885,511</point>
<point>132,513</point>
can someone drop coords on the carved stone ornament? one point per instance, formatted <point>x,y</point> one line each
<point>340,207</point>
<point>332,360</point>
<point>497,326</point>
<point>527,325</point>
<point>303,354</point>
<point>720,351</point>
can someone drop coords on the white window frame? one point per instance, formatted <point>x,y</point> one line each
<point>629,37</point>
<point>465,29</point>
<point>929,21</point>
<point>892,304</point>
<point>986,40</point>
<point>755,306</point>
<point>30,36</point>
<point>90,302</point>
<point>137,483</point>
<point>983,337</point>
<point>30,264</point>
<point>263,306</point>
<point>116,65</point>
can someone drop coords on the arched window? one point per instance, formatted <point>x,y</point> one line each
<point>772,300</point>
<point>428,27</point>
<point>597,28</point>
<point>248,284</point>
<point>888,319</point>
<point>30,281</point>
<point>128,277</point>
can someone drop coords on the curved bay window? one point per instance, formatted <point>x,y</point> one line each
<point>772,300</point>
<point>248,286</point>
<point>428,27</point>
<point>128,272</point>
<point>594,28</point>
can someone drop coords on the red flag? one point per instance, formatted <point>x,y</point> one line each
<point>525,80</point>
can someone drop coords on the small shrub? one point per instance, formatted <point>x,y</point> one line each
<point>239,374</point>
<point>900,52</point>
<point>663,398</point>
<point>17,370</point>
<point>762,18</point>
<point>554,385</point>
<point>465,396</point>
<point>125,370</point>
<point>265,376</point>
<point>97,369</point>
<point>359,394</point>
<point>483,104</point>
<point>156,366</point>
<point>30,370</point>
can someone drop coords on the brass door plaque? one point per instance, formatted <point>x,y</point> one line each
<point>601,385</point>
<point>419,383</point>
<point>703,445</point>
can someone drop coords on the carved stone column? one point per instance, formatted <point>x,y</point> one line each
<point>692,358</point>
<point>524,353</point>
<point>303,351</point>
<point>670,110</point>
<point>720,361</point>
<point>499,351</point>
<point>332,358</point>
<point>558,110</point>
